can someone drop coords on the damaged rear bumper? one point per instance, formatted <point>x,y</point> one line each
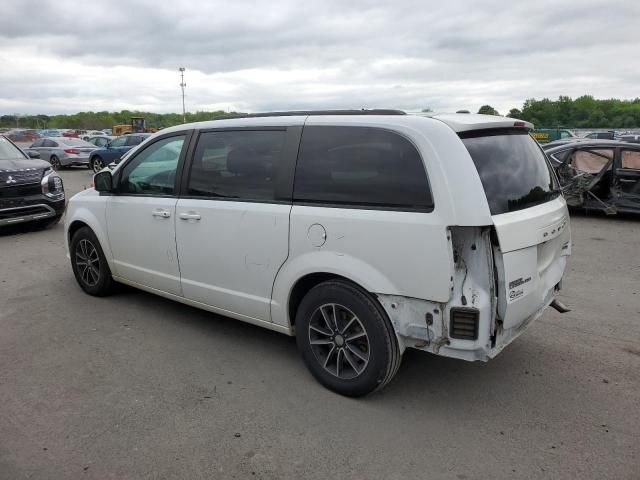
<point>425,326</point>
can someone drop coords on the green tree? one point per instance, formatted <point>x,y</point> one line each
<point>488,110</point>
<point>514,113</point>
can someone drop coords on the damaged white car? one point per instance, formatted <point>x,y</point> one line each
<point>362,233</point>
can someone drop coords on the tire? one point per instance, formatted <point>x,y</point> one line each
<point>353,367</point>
<point>94,277</point>
<point>55,162</point>
<point>96,163</point>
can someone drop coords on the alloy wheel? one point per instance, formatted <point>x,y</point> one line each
<point>97,164</point>
<point>55,163</point>
<point>88,262</point>
<point>339,341</point>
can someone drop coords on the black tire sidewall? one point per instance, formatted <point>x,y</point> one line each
<point>103,286</point>
<point>372,319</point>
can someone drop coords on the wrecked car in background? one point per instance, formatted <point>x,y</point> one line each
<point>599,175</point>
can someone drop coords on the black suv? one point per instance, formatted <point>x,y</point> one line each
<point>30,190</point>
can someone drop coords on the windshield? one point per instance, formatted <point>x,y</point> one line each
<point>8,151</point>
<point>513,169</point>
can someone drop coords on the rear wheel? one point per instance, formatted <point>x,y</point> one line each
<point>55,162</point>
<point>346,339</point>
<point>96,163</point>
<point>89,263</point>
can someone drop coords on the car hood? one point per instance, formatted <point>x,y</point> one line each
<point>21,172</point>
<point>18,164</point>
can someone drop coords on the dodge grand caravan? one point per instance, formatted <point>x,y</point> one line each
<point>362,233</point>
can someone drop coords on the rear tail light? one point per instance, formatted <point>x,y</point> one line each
<point>72,151</point>
<point>519,124</point>
<point>464,323</point>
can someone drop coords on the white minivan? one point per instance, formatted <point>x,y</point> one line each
<point>362,233</point>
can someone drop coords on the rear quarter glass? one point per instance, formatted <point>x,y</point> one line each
<point>514,171</point>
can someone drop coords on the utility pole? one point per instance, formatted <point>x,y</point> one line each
<point>182,85</point>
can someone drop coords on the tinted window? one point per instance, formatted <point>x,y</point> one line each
<point>153,170</point>
<point>50,144</point>
<point>360,166</point>
<point>513,169</point>
<point>240,164</point>
<point>133,140</point>
<point>118,142</point>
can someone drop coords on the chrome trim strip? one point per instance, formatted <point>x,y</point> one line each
<point>27,218</point>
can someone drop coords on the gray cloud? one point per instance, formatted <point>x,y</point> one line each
<point>66,55</point>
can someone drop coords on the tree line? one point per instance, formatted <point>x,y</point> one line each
<point>582,112</point>
<point>100,120</point>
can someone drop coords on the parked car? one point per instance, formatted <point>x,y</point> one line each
<point>575,140</point>
<point>546,135</point>
<point>599,174</point>
<point>63,152</point>
<point>631,138</point>
<point>92,133</point>
<point>610,135</point>
<point>30,190</point>
<point>52,132</point>
<point>107,131</point>
<point>362,233</point>
<point>72,133</point>
<point>113,150</point>
<point>21,135</point>
<point>100,141</point>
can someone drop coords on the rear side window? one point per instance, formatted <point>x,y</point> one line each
<point>239,165</point>
<point>513,169</point>
<point>591,161</point>
<point>631,159</point>
<point>133,140</point>
<point>361,167</point>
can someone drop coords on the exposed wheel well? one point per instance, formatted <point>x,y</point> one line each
<point>74,227</point>
<point>306,283</point>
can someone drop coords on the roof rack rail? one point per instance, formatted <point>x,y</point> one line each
<point>379,111</point>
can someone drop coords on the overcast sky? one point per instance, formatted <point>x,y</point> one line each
<point>59,56</point>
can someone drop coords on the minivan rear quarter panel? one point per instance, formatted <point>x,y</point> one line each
<point>390,252</point>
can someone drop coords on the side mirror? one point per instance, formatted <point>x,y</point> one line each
<point>33,154</point>
<point>103,182</point>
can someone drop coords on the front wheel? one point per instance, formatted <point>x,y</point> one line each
<point>89,264</point>
<point>96,164</point>
<point>346,339</point>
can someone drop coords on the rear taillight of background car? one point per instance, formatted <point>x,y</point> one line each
<point>72,151</point>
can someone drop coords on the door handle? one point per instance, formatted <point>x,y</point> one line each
<point>161,213</point>
<point>189,216</point>
<point>627,180</point>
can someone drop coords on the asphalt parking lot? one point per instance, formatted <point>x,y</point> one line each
<point>136,386</point>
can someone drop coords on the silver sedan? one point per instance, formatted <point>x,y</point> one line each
<point>63,152</point>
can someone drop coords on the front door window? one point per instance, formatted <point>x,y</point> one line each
<point>153,170</point>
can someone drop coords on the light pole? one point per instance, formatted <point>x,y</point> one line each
<point>182,85</point>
